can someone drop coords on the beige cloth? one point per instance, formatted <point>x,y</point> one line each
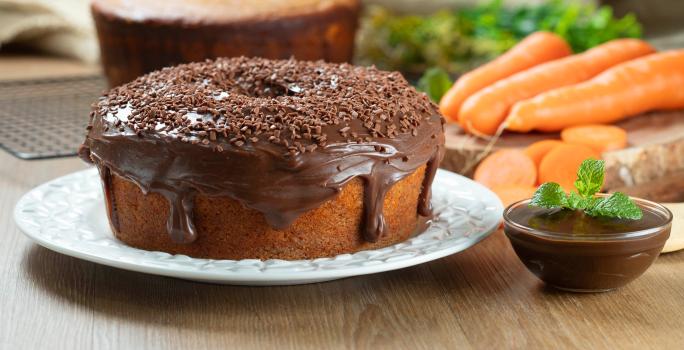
<point>676,240</point>
<point>62,27</point>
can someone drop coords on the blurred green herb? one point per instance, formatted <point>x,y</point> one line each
<point>435,82</point>
<point>456,41</point>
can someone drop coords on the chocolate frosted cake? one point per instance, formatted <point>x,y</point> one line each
<point>255,158</point>
<point>140,36</point>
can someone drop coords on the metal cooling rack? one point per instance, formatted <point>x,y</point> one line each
<point>46,118</point>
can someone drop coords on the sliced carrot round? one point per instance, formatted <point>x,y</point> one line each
<point>509,194</point>
<point>506,167</point>
<point>601,138</point>
<point>560,165</point>
<point>539,149</point>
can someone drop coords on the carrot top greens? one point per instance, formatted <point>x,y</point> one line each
<point>456,41</point>
<point>589,181</point>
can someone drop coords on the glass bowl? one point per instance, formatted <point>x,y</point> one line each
<point>590,261</point>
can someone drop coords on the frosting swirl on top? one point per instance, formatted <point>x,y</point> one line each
<point>280,136</point>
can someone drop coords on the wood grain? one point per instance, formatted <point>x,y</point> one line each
<point>668,189</point>
<point>655,148</point>
<point>482,298</point>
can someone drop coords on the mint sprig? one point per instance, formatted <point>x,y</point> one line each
<point>590,177</point>
<point>589,181</point>
<point>618,205</point>
<point>549,195</point>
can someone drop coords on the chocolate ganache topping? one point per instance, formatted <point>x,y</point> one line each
<point>279,136</point>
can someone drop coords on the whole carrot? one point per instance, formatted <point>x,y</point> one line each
<point>536,48</point>
<point>484,111</point>
<point>648,83</point>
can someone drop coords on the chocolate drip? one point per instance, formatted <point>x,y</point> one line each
<point>373,198</point>
<point>281,166</point>
<point>288,189</point>
<point>106,176</point>
<point>424,205</point>
<point>180,224</point>
<point>375,190</point>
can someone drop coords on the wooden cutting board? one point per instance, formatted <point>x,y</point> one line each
<point>655,151</point>
<point>651,167</point>
<point>669,191</point>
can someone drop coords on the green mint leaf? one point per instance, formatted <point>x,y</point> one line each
<point>549,195</point>
<point>590,177</point>
<point>435,82</point>
<point>577,201</point>
<point>617,205</point>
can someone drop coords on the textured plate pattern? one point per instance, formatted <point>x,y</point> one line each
<point>67,215</point>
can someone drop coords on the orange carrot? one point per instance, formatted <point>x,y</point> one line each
<point>506,167</point>
<point>601,138</point>
<point>484,111</point>
<point>537,48</point>
<point>560,165</point>
<point>539,149</point>
<point>509,194</point>
<point>648,83</point>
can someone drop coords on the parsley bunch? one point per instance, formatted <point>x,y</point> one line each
<point>589,181</point>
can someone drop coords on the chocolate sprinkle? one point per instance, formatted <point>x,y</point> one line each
<point>280,136</point>
<point>246,100</point>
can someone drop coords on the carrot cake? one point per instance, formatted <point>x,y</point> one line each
<point>255,158</point>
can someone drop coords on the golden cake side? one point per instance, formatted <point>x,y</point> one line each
<point>228,230</point>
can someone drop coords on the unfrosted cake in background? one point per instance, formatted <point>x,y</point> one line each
<point>137,37</point>
<point>253,158</point>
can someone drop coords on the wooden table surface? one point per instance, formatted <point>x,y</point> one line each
<point>482,298</point>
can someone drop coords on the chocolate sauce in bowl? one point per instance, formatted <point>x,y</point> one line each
<point>578,225</point>
<point>571,250</point>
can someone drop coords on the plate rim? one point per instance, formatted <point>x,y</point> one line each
<point>250,276</point>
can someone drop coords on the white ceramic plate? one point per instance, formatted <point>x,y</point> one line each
<point>67,215</point>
